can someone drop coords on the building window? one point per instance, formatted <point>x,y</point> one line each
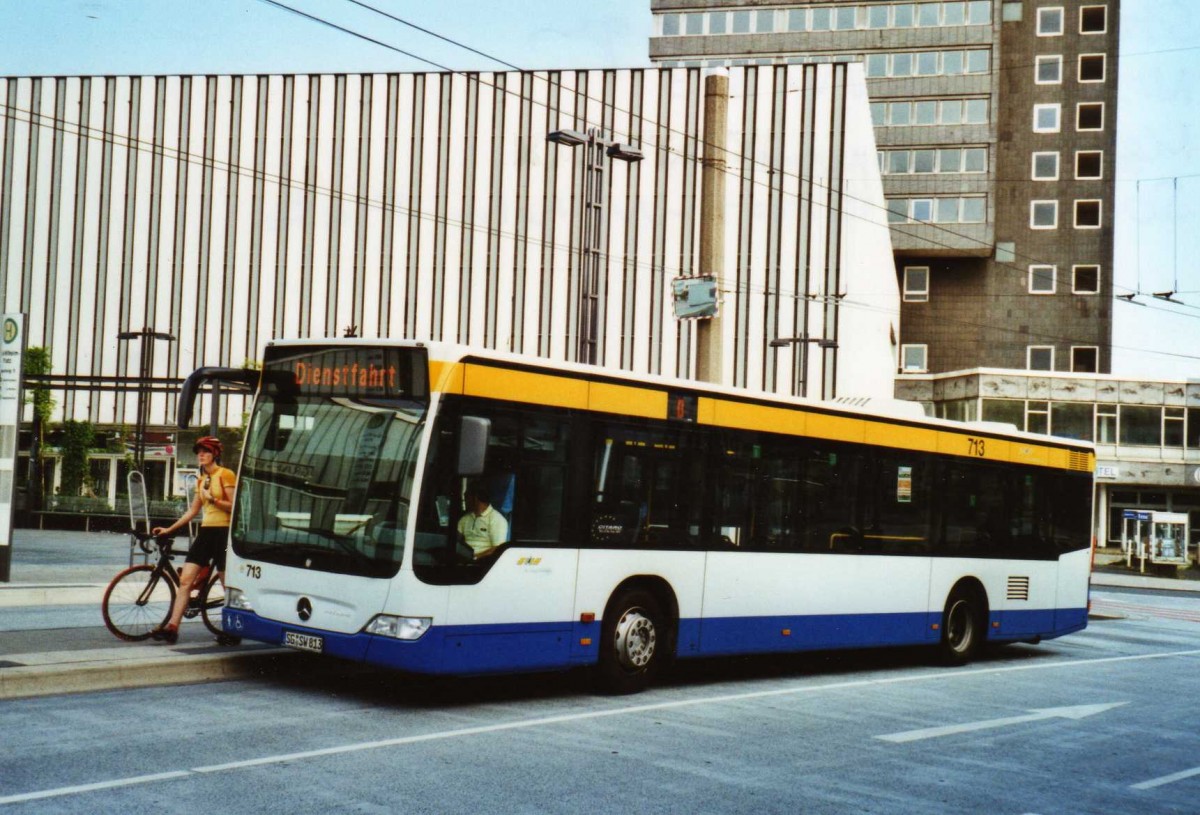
<point>916,284</point>
<point>1085,279</point>
<point>1046,118</point>
<point>1037,417</point>
<point>1085,359</point>
<point>972,210</point>
<point>1012,12</point>
<point>979,12</point>
<point>927,112</point>
<point>1173,427</point>
<point>1106,424</point>
<point>1040,358</point>
<point>1091,67</point>
<point>928,63</point>
<point>843,17</point>
<point>1050,22</point>
<point>1045,166</point>
<point>1043,215</point>
<point>1088,214</point>
<point>1089,116</point>
<point>1089,164</point>
<point>914,358</point>
<point>1093,19</point>
<point>1043,279</point>
<point>1071,420</point>
<point>1048,70</point>
<point>1141,425</point>
<point>1004,411</point>
<point>950,160</point>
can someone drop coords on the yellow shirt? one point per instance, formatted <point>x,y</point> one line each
<point>220,484</point>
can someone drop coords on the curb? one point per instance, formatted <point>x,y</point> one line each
<point>21,682</point>
<point>49,594</point>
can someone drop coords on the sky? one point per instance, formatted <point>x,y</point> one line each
<point>1156,214</point>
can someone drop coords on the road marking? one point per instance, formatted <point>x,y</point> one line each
<point>1153,611</point>
<point>99,785</point>
<point>1077,712</point>
<point>1166,779</point>
<point>522,724</point>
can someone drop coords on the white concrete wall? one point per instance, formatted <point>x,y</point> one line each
<point>232,210</point>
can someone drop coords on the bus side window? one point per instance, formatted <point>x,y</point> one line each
<point>831,483</point>
<point>647,488</point>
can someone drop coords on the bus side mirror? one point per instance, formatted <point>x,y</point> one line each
<point>473,434</point>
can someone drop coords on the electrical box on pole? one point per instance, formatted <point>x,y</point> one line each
<point>694,297</point>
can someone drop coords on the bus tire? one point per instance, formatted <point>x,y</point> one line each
<point>633,642</point>
<point>964,625</point>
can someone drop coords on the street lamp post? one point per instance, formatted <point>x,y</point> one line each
<point>147,335</point>
<point>591,222</point>
<point>803,341</point>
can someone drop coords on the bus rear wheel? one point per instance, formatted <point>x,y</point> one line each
<point>633,642</point>
<point>963,626</point>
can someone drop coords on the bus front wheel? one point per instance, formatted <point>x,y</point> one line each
<point>633,642</point>
<point>963,625</point>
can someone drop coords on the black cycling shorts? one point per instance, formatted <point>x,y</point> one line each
<point>209,547</point>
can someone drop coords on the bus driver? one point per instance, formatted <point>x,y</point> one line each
<point>481,527</point>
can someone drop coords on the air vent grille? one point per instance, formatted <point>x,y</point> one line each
<point>1018,588</point>
<point>1080,461</point>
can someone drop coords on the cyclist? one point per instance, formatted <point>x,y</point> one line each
<point>214,494</point>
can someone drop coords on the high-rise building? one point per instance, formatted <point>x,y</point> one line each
<point>995,122</point>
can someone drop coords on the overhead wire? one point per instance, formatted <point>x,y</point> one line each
<point>141,145</point>
<point>771,169</point>
<point>739,175</point>
<point>937,226</point>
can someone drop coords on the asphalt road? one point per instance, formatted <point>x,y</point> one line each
<point>1103,721</point>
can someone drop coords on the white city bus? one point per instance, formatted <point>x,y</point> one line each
<point>648,519</point>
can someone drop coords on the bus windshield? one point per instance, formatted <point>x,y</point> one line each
<point>330,458</point>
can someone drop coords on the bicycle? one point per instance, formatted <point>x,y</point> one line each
<point>138,601</point>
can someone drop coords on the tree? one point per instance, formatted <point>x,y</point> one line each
<point>37,363</point>
<point>77,440</point>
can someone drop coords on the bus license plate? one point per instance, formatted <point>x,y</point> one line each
<point>304,642</point>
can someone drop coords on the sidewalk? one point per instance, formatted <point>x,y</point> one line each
<point>53,639</point>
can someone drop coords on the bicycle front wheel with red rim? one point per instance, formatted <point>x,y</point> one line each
<point>137,602</point>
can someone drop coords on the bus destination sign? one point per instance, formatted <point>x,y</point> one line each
<point>380,373</point>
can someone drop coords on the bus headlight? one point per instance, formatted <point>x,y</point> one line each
<point>400,628</point>
<point>236,598</point>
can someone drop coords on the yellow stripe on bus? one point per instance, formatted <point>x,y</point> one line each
<point>445,377</point>
<point>523,386</point>
<point>628,401</point>
<point>902,436</point>
<point>759,417</point>
<point>1026,453</point>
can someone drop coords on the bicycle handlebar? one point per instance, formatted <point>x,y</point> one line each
<point>145,539</point>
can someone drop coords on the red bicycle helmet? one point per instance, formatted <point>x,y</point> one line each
<point>210,443</point>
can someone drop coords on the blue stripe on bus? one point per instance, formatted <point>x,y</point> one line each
<point>753,635</point>
<point>478,649</point>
